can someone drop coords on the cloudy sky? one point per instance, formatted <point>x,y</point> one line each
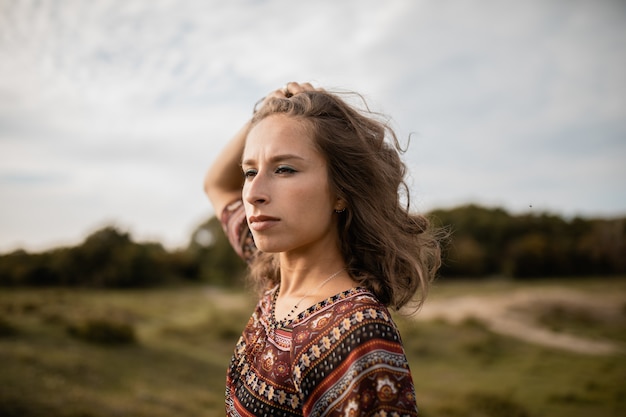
<point>111,111</point>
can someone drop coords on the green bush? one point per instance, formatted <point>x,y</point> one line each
<point>14,407</point>
<point>7,328</point>
<point>494,405</point>
<point>103,331</point>
<point>482,404</point>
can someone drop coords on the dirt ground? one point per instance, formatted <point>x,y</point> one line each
<point>513,315</point>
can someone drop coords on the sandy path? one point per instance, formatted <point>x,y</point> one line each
<point>509,316</point>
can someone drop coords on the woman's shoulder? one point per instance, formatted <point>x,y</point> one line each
<point>353,325</point>
<point>357,298</point>
<point>347,310</point>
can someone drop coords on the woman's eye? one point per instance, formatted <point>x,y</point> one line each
<point>249,173</point>
<point>285,170</point>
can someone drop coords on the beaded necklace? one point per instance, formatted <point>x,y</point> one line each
<point>276,323</point>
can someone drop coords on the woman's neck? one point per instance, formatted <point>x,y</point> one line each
<point>300,278</point>
<point>304,285</point>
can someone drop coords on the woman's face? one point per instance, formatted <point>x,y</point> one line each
<point>286,193</point>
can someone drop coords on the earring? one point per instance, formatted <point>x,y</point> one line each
<point>340,211</point>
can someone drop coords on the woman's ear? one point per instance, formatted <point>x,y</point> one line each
<point>340,206</point>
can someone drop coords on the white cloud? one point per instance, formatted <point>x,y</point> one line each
<point>111,110</point>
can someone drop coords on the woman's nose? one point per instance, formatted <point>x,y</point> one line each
<point>255,191</point>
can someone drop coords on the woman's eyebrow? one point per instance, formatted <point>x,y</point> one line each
<point>274,159</point>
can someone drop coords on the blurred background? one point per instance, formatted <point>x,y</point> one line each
<point>112,263</point>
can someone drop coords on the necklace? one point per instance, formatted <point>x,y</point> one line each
<point>287,318</point>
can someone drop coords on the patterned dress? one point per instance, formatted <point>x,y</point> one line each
<point>340,357</point>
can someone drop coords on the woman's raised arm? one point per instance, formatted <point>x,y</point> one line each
<point>223,180</point>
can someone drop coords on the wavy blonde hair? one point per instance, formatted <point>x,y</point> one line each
<point>387,249</point>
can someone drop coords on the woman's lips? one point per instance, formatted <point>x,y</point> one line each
<point>260,223</point>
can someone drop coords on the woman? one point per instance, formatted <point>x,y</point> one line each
<point>318,217</point>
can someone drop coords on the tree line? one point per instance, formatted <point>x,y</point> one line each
<point>110,258</point>
<point>481,242</point>
<point>492,242</point>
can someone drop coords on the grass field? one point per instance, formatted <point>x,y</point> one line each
<point>164,352</point>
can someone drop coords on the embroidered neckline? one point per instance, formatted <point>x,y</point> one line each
<point>285,324</point>
<point>275,323</point>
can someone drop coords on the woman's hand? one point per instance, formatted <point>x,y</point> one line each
<point>290,89</point>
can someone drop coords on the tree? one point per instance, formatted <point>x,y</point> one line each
<point>218,263</point>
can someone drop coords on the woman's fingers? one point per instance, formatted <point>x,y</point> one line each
<point>293,88</point>
<point>290,89</point>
